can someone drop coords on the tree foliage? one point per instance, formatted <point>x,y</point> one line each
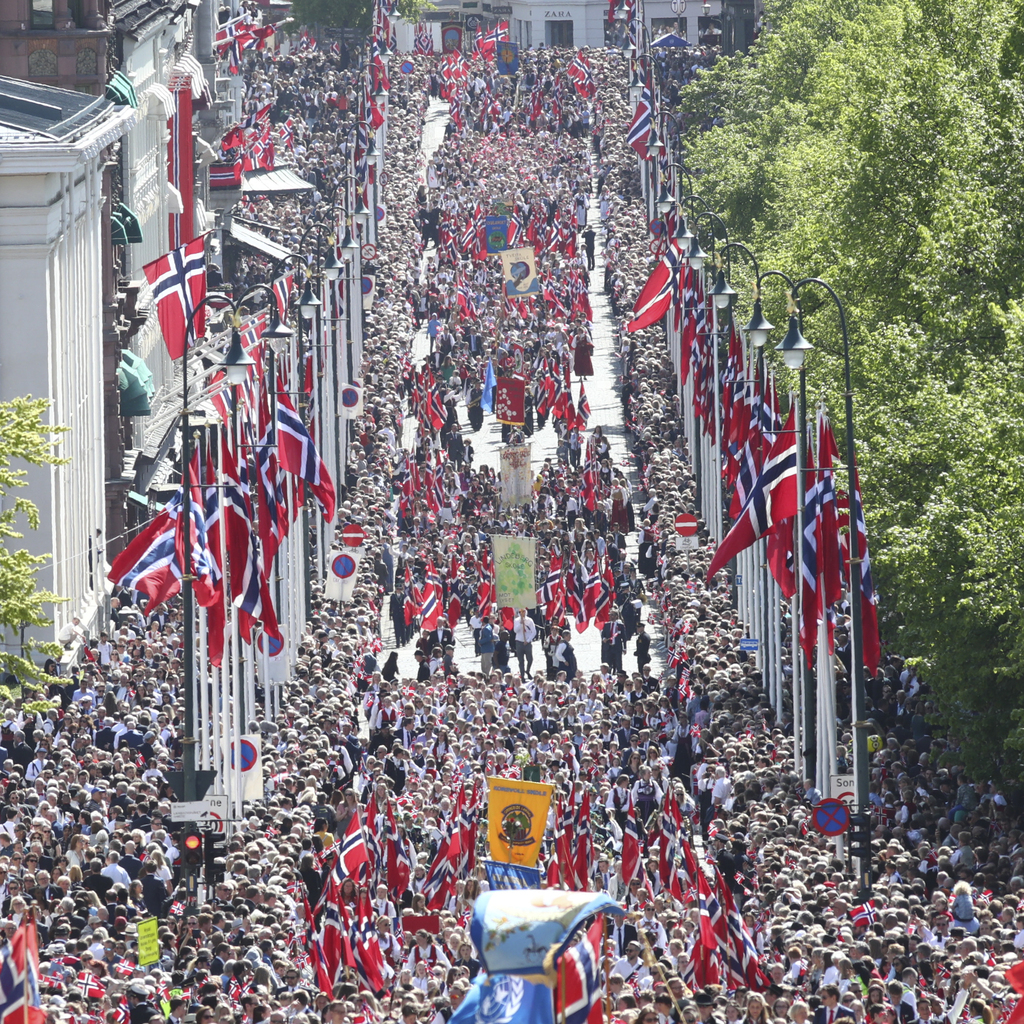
<point>24,437</point>
<point>880,146</point>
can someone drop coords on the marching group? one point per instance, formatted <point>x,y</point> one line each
<point>694,749</point>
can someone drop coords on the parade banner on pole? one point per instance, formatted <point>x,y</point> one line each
<point>510,400</point>
<point>519,271</point>
<point>496,233</point>
<point>507,58</point>
<point>514,562</point>
<point>516,479</point>
<point>517,814</point>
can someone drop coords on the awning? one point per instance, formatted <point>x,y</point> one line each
<point>254,240</point>
<point>274,182</point>
<point>135,385</point>
<point>121,92</point>
<point>125,228</point>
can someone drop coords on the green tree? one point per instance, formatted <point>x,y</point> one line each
<point>24,437</point>
<point>880,146</point>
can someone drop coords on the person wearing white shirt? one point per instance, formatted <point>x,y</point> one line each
<point>525,630</point>
<point>631,967</point>
<point>115,872</point>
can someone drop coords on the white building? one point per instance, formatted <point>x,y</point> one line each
<point>585,22</point>
<point>53,233</point>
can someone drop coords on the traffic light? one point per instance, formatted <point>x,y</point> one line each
<point>860,836</point>
<point>215,848</point>
<point>191,850</point>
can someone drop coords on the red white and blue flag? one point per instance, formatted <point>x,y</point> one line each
<point>178,281</point>
<point>299,456</point>
<point>772,499</point>
<point>640,126</point>
<point>582,77</point>
<point>580,978</point>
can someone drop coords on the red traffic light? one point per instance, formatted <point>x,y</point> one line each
<point>192,841</point>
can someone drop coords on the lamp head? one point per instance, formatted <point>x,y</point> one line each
<point>723,292</point>
<point>349,246</point>
<point>759,328</point>
<point>371,145</point>
<point>332,265</point>
<point>309,303</point>
<point>655,147</point>
<point>794,346</point>
<point>696,255</point>
<point>278,333</point>
<point>705,8</point>
<point>665,202</point>
<point>237,362</point>
<point>621,14</point>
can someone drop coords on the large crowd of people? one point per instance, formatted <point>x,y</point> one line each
<point>679,715</point>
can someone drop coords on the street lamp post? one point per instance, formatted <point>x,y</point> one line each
<point>858,695</point>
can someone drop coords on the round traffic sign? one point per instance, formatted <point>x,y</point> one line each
<point>275,645</point>
<point>686,524</point>
<point>250,755</point>
<point>369,251</point>
<point>831,817</point>
<point>406,67</point>
<point>367,285</point>
<point>343,566</point>
<point>352,535</point>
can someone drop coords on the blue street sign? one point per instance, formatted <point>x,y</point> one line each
<point>739,579</point>
<point>749,643</point>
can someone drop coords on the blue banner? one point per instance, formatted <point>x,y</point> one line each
<point>511,876</point>
<point>507,57</point>
<point>514,930</point>
<point>505,999</point>
<point>496,232</point>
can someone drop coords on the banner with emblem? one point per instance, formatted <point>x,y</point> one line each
<point>516,479</point>
<point>519,271</point>
<point>505,999</point>
<point>515,561</point>
<point>510,401</point>
<point>517,814</point>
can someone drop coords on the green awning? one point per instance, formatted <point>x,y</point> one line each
<point>135,385</point>
<point>121,92</point>
<point>125,228</point>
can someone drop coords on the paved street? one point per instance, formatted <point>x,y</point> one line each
<point>606,411</point>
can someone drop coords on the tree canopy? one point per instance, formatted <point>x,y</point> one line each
<point>880,146</point>
<point>24,437</point>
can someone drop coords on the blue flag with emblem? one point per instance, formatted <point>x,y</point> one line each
<point>487,401</point>
<point>505,999</point>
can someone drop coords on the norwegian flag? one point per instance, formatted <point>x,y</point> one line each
<point>630,845</point>
<point>668,847</point>
<point>178,281</point>
<point>366,945</point>
<point>149,564</point>
<point>400,863</point>
<point>299,456</point>
<point>582,77</point>
<point>430,609</point>
<point>354,857</point>
<point>226,175</point>
<point>423,42</point>
<point>19,977</point>
<point>583,851</point>
<point>640,127</point>
<point>713,928</point>
<point>869,599</point>
<point>656,296</point>
<point>439,884</point>
<point>563,844</point>
<point>772,499</point>
<point>91,985</point>
<point>741,955</point>
<point>865,915</point>
<point>580,977</point>
<point>283,294</point>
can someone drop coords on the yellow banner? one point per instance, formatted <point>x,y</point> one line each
<point>517,813</point>
<point>149,942</point>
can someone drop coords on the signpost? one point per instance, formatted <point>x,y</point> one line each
<point>210,812</point>
<point>749,643</point>
<point>830,817</point>
<point>352,535</point>
<point>686,524</point>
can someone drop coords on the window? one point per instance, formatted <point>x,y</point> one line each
<point>42,64</point>
<point>86,61</point>
<point>558,33</point>
<point>42,13</point>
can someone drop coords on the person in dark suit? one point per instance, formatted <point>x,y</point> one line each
<point>612,642</point>
<point>622,933</point>
<point>830,1009</point>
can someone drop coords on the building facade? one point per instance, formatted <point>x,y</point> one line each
<point>54,229</point>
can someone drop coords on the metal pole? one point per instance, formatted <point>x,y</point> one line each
<point>807,687</point>
<point>188,759</point>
